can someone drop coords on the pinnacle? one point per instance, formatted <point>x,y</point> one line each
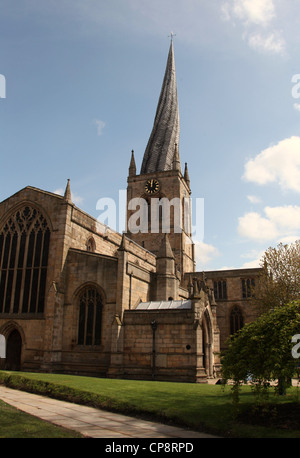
<point>176,159</point>
<point>67,195</point>
<point>132,166</point>
<point>186,175</point>
<point>165,250</point>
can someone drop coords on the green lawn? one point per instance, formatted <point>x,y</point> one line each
<point>200,407</point>
<point>16,424</point>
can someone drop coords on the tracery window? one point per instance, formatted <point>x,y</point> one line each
<point>90,316</point>
<point>248,287</point>
<point>24,249</point>
<point>236,320</point>
<point>220,289</point>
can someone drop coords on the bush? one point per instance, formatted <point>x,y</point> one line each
<point>262,350</point>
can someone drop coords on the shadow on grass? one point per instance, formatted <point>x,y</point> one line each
<point>205,408</point>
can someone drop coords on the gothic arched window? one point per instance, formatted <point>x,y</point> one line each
<point>24,249</point>
<point>236,320</point>
<point>90,316</point>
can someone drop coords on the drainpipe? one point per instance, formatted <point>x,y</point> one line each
<point>154,328</point>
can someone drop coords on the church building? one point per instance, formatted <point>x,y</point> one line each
<point>77,297</point>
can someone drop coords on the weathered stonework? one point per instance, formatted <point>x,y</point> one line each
<point>77,297</point>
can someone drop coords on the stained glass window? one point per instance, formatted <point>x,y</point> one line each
<point>24,250</point>
<point>90,316</point>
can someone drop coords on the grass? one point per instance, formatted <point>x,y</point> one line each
<point>200,407</point>
<point>16,424</point>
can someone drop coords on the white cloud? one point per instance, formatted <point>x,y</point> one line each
<point>257,19</point>
<point>253,11</point>
<point>59,191</point>
<point>251,264</point>
<point>289,239</point>
<point>297,106</point>
<point>271,42</point>
<point>204,253</point>
<point>253,226</point>
<point>279,163</point>
<point>254,199</point>
<point>286,218</point>
<point>100,126</point>
<point>279,223</point>
<point>255,257</point>
<point>76,199</point>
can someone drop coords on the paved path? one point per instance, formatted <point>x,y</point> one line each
<point>89,421</point>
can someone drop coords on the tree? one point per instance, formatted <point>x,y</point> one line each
<point>279,281</point>
<point>262,349</point>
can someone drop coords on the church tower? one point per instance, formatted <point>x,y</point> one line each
<point>158,199</point>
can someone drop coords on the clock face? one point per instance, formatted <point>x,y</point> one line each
<point>152,186</point>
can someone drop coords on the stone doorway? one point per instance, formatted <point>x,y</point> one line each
<point>13,351</point>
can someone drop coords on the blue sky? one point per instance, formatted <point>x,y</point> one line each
<point>82,84</point>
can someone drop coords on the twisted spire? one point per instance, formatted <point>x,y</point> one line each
<point>159,153</point>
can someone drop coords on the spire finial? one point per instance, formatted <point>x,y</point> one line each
<point>172,35</point>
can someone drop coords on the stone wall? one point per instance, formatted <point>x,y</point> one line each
<point>233,279</point>
<point>174,344</point>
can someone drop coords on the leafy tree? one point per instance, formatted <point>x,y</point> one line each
<point>262,350</point>
<point>279,281</point>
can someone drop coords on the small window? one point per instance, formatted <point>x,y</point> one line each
<point>236,320</point>
<point>220,289</point>
<point>248,287</point>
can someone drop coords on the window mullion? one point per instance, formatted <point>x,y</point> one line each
<point>24,271</point>
<point>13,291</point>
<point>32,269</point>
<point>39,272</point>
<point>6,268</point>
<point>85,320</point>
<point>3,248</point>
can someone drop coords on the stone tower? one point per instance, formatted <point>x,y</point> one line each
<point>158,199</point>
